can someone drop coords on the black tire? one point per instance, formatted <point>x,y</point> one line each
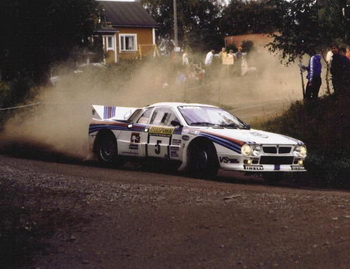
<point>106,149</point>
<point>273,177</point>
<point>203,161</point>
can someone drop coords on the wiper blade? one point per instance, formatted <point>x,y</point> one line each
<point>231,125</point>
<point>202,123</point>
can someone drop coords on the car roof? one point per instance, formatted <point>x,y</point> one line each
<point>177,104</point>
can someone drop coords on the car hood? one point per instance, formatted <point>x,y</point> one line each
<point>253,136</point>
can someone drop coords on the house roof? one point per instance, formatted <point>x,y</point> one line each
<point>107,29</point>
<point>127,14</point>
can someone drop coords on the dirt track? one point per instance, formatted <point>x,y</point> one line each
<point>85,216</point>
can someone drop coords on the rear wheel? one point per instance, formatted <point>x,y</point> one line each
<point>106,149</point>
<point>203,160</point>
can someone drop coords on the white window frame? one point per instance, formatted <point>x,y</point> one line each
<point>122,43</point>
<point>110,42</point>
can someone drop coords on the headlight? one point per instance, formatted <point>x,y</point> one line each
<point>257,151</point>
<point>300,151</point>
<point>246,150</point>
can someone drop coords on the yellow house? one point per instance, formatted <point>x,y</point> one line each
<point>127,31</point>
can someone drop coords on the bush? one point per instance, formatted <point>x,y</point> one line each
<point>322,125</point>
<point>12,94</point>
<point>330,168</point>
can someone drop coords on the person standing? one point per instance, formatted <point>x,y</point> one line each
<point>230,66</point>
<point>337,69</point>
<point>238,60</point>
<point>313,76</point>
<point>346,71</point>
<point>209,58</point>
<point>185,60</point>
<point>208,62</point>
<point>347,54</point>
<point>222,54</point>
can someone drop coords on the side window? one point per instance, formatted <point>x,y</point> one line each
<point>145,116</point>
<point>165,118</point>
<point>162,117</point>
<point>134,115</point>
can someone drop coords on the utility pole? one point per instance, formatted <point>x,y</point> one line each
<point>175,25</point>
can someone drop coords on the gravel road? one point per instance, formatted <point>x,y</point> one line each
<point>66,215</point>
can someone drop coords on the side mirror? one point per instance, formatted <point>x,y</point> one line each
<point>247,125</point>
<point>175,123</point>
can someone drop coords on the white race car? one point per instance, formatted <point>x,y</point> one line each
<point>199,138</point>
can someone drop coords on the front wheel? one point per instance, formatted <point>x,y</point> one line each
<point>203,160</point>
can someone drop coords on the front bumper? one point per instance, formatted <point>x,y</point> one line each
<point>264,163</point>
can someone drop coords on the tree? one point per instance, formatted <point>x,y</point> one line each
<point>34,34</point>
<point>309,25</point>
<point>198,21</point>
<point>242,17</point>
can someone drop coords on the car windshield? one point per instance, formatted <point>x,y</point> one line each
<point>210,116</point>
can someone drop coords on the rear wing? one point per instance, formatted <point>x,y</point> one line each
<point>111,112</point>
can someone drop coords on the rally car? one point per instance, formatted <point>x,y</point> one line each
<point>199,138</point>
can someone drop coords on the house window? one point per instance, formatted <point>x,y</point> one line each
<point>128,42</point>
<point>110,42</point>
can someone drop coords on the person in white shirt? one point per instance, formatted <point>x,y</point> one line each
<point>185,60</point>
<point>209,57</point>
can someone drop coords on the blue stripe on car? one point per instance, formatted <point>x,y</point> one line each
<point>97,127</point>
<point>223,142</point>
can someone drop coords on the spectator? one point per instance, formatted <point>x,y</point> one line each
<point>181,77</point>
<point>329,57</point>
<point>185,60</point>
<point>342,51</point>
<point>313,76</point>
<point>340,69</point>
<point>238,61</point>
<point>222,54</point>
<point>346,75</point>
<point>209,57</point>
<point>239,53</point>
<point>348,53</point>
<point>230,67</point>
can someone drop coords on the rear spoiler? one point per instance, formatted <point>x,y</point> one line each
<point>111,112</point>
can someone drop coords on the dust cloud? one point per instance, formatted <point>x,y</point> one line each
<point>60,122</point>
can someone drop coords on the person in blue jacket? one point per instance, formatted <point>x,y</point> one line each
<point>313,76</point>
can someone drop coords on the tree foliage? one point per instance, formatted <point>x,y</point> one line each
<point>309,25</point>
<point>298,26</point>
<point>198,21</point>
<point>243,17</point>
<point>35,33</point>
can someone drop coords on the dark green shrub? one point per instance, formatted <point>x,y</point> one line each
<point>324,126</point>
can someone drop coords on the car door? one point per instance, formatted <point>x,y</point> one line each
<point>160,133</point>
<point>133,140</point>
